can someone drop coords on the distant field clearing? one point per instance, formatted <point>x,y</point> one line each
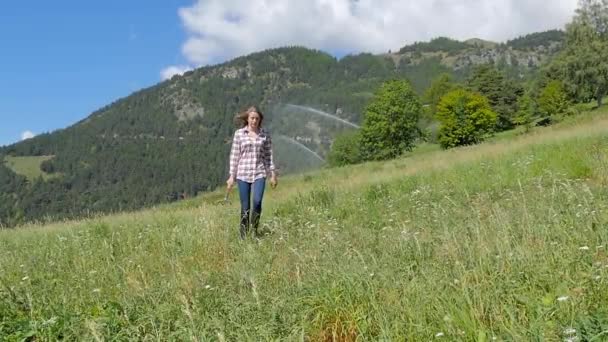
<point>28,166</point>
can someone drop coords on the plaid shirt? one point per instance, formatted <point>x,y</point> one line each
<point>250,158</point>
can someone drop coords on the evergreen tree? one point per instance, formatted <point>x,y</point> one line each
<point>526,112</point>
<point>501,92</point>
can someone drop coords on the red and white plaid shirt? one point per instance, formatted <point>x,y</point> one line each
<point>251,158</point>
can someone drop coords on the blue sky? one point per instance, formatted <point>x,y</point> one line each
<point>61,60</point>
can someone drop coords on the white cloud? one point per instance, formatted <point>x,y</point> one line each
<point>219,30</point>
<point>27,135</point>
<point>170,71</point>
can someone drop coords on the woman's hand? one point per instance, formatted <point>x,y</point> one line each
<point>230,182</point>
<point>273,181</point>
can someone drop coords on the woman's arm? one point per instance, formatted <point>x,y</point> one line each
<point>269,161</point>
<point>235,154</point>
<point>268,158</point>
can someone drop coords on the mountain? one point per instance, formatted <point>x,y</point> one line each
<point>516,56</point>
<point>171,141</point>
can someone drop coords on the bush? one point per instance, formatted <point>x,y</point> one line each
<point>466,118</point>
<point>345,149</point>
<point>553,100</point>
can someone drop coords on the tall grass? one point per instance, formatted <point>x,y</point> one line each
<point>502,241</point>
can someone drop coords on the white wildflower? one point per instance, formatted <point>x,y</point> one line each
<point>439,334</point>
<point>569,331</point>
<point>207,287</point>
<point>25,278</point>
<point>562,298</point>
<point>96,290</point>
<point>50,321</point>
<point>584,248</point>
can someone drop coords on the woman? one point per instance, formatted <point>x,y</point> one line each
<point>250,163</point>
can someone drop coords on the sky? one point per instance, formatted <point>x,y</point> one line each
<point>62,60</point>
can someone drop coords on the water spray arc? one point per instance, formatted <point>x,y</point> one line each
<point>322,113</point>
<point>299,144</point>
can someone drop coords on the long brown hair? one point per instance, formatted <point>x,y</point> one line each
<point>241,118</point>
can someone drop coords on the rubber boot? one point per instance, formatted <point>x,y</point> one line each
<point>255,222</point>
<point>244,228</point>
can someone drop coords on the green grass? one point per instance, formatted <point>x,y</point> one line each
<point>505,240</point>
<point>28,166</point>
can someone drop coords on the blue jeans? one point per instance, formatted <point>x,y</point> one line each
<point>245,190</point>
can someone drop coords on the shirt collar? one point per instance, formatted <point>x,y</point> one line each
<point>261,132</point>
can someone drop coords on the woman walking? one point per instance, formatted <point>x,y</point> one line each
<point>251,162</point>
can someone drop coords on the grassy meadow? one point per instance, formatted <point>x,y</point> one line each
<point>504,241</point>
<point>28,166</point>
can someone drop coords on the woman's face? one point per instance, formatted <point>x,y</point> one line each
<point>253,120</point>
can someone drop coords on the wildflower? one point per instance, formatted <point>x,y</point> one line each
<point>584,248</point>
<point>207,287</point>
<point>439,334</point>
<point>569,331</point>
<point>50,321</point>
<point>96,290</point>
<point>25,278</point>
<point>562,298</point>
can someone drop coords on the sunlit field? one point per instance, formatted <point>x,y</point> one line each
<point>502,241</point>
<point>28,166</point>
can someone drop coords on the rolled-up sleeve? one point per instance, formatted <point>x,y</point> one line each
<point>235,153</point>
<point>268,159</point>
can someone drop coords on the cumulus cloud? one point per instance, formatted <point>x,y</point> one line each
<point>27,135</point>
<point>218,30</point>
<point>170,71</point>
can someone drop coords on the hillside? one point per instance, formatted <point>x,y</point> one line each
<point>170,141</point>
<point>500,241</point>
<point>516,55</point>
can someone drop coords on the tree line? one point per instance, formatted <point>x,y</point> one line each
<point>488,100</point>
